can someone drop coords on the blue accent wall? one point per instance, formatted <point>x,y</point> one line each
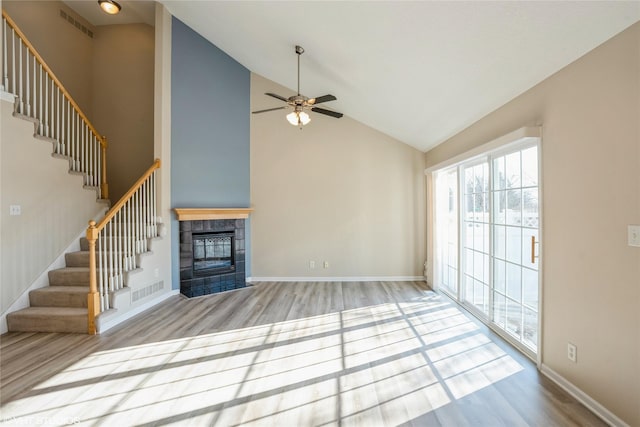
<point>210,110</point>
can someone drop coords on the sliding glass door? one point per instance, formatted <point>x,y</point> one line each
<point>490,244</point>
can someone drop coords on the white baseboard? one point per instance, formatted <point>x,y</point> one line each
<point>595,407</point>
<point>339,279</point>
<point>116,320</point>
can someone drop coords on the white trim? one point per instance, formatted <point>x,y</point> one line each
<point>116,320</point>
<point>593,405</point>
<point>6,96</point>
<point>340,279</point>
<point>516,137</point>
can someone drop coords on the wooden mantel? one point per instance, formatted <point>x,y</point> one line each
<point>196,214</point>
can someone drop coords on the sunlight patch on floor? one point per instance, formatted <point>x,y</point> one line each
<point>352,366</point>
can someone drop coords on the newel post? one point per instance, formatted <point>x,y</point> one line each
<point>93,299</point>
<point>103,181</point>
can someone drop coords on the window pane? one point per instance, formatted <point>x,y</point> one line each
<point>485,238</point>
<point>499,275</point>
<point>468,288</point>
<point>530,333</point>
<point>499,207</point>
<point>468,262</point>
<point>478,266</point>
<point>514,284</point>
<point>478,294</point>
<point>514,244</point>
<point>530,167</point>
<point>514,318</point>
<point>530,207</point>
<point>499,241</point>
<point>514,207</point>
<point>499,177</point>
<point>513,170</point>
<point>530,287</point>
<point>499,309</point>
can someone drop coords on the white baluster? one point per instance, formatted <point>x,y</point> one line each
<point>46,104</point>
<point>5,68</point>
<point>98,167</point>
<point>41,118</point>
<point>55,115</point>
<point>154,206</point>
<point>110,225</point>
<point>103,263</point>
<point>13,61</point>
<point>20,78</point>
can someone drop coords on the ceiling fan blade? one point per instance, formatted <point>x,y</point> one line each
<point>268,109</point>
<point>323,98</point>
<point>273,95</point>
<point>327,112</point>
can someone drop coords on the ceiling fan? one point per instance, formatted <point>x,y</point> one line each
<point>300,103</point>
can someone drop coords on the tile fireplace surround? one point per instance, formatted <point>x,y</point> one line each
<point>198,224</point>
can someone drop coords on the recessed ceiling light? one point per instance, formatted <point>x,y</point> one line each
<point>109,6</point>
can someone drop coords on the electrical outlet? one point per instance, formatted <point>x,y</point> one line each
<point>326,264</point>
<point>15,210</point>
<point>312,264</point>
<point>634,235</point>
<point>572,352</point>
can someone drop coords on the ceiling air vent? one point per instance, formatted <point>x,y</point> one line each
<point>71,20</point>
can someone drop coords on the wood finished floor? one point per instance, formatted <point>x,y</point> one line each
<point>284,354</point>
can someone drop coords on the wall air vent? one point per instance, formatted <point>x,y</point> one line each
<point>71,20</point>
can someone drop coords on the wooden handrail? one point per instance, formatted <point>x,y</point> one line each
<point>115,208</point>
<point>46,68</point>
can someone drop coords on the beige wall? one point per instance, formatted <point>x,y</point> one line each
<point>590,113</point>
<point>123,70</point>
<point>336,191</point>
<point>65,48</point>
<point>55,207</point>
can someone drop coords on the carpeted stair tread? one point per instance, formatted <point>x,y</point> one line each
<point>59,296</point>
<point>48,319</point>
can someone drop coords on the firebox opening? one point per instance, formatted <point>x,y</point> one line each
<point>213,253</point>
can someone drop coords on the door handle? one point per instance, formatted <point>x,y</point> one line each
<point>533,250</point>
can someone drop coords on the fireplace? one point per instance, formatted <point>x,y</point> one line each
<point>212,252</point>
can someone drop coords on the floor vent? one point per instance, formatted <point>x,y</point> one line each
<point>71,20</point>
<point>146,291</point>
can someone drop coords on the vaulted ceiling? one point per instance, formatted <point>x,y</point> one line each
<point>418,71</point>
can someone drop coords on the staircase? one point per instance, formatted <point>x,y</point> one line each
<point>61,306</point>
<point>95,278</point>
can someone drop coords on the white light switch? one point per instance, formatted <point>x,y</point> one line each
<point>634,235</point>
<point>15,210</point>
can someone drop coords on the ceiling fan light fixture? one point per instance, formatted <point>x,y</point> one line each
<point>109,6</point>
<point>298,118</point>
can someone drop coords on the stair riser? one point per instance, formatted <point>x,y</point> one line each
<point>77,259</point>
<point>69,278</point>
<point>58,299</point>
<point>51,323</point>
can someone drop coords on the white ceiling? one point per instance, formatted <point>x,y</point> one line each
<point>418,71</point>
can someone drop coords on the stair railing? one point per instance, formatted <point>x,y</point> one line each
<point>117,240</point>
<point>41,96</point>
